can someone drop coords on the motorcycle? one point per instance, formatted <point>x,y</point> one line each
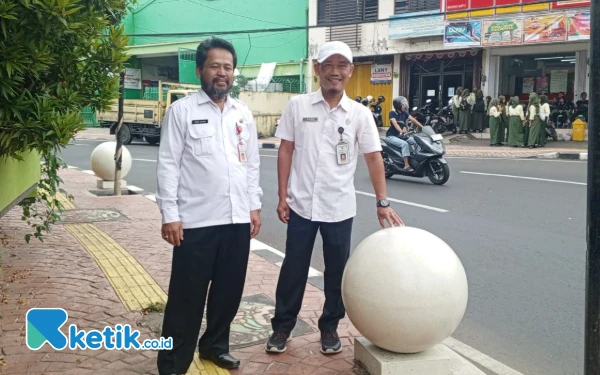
<point>428,161</point>
<point>445,121</point>
<point>377,111</point>
<point>551,131</point>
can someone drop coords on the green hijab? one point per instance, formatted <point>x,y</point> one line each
<point>479,94</point>
<point>534,101</point>
<point>543,99</point>
<point>466,93</point>
<point>514,101</point>
<point>493,104</point>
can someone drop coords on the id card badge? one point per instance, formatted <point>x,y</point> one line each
<point>242,152</point>
<point>342,153</point>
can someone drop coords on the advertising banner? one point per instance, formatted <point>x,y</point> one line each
<point>579,26</point>
<point>545,28</point>
<point>381,73</point>
<point>401,27</point>
<point>502,32</point>
<point>462,34</point>
<point>133,79</point>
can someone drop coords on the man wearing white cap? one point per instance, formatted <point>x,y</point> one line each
<point>322,135</point>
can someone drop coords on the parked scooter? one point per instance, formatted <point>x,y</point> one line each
<point>377,111</point>
<point>445,121</point>
<point>551,131</point>
<point>428,161</point>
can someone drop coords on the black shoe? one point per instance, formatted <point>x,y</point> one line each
<point>277,341</point>
<point>225,361</point>
<point>330,343</point>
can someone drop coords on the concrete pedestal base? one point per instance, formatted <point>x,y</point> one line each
<point>377,361</point>
<point>110,184</point>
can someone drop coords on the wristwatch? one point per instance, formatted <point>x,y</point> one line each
<point>383,203</point>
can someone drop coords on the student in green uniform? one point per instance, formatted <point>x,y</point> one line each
<point>464,111</point>
<point>494,115</point>
<point>535,123</point>
<point>456,105</point>
<point>479,112</point>
<point>544,114</point>
<point>516,121</point>
<point>503,120</point>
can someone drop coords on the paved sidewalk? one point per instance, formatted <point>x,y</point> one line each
<point>106,263</point>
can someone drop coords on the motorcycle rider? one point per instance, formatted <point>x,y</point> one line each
<point>398,117</point>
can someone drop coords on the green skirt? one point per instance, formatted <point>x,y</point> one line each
<point>515,131</point>
<point>463,120</point>
<point>494,130</point>
<point>534,132</point>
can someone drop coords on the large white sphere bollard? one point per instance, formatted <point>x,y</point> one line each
<point>404,289</point>
<point>103,161</point>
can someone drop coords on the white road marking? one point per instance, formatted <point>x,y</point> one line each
<point>257,245</point>
<point>89,172</point>
<point>474,355</point>
<point>148,160</point>
<point>525,178</point>
<point>516,159</point>
<point>71,167</point>
<point>134,188</point>
<point>151,197</point>
<point>406,202</point>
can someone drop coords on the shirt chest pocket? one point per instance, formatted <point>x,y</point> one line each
<point>203,140</point>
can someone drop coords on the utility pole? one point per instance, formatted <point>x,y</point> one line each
<point>592,274</point>
<point>119,149</point>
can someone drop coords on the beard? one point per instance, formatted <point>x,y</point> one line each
<point>213,91</point>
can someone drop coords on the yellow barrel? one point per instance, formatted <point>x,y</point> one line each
<point>579,130</point>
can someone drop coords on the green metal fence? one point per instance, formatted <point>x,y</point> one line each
<point>291,84</point>
<point>187,66</point>
<point>89,118</point>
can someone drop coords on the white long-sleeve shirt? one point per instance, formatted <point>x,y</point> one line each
<point>532,112</point>
<point>516,111</point>
<point>201,180</point>
<point>494,112</point>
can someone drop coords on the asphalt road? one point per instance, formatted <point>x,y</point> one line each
<point>522,243</point>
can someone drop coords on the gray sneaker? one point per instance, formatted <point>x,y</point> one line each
<point>330,343</point>
<point>277,342</point>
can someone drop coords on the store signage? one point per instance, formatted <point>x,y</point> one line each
<point>429,24</point>
<point>466,5</point>
<point>381,73</point>
<point>462,34</point>
<point>502,32</point>
<point>545,28</point>
<point>579,26</point>
<point>570,4</point>
<point>133,79</point>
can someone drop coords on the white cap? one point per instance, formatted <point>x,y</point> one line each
<point>334,48</point>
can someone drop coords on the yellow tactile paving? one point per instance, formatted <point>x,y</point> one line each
<point>134,286</point>
<point>67,204</point>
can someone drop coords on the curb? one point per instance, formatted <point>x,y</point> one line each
<point>137,191</point>
<point>563,155</point>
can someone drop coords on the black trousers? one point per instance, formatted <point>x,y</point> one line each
<point>213,255</point>
<point>301,235</point>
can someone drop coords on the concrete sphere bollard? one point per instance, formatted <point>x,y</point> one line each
<point>103,161</point>
<point>404,289</point>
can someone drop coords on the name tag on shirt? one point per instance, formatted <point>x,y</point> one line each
<point>196,122</point>
<point>310,119</point>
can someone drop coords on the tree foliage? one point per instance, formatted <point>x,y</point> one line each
<point>56,57</point>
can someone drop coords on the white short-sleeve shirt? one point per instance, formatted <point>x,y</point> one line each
<point>319,188</point>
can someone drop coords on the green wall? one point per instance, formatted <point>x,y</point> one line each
<point>16,177</point>
<point>158,16</point>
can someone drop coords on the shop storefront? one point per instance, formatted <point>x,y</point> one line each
<point>437,75</point>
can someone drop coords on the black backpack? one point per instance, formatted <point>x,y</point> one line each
<point>464,104</point>
<point>479,105</point>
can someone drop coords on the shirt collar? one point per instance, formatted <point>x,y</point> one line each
<point>203,98</point>
<point>318,97</point>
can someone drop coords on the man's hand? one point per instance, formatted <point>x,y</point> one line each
<point>283,210</point>
<point>254,223</point>
<point>173,233</point>
<point>387,214</point>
